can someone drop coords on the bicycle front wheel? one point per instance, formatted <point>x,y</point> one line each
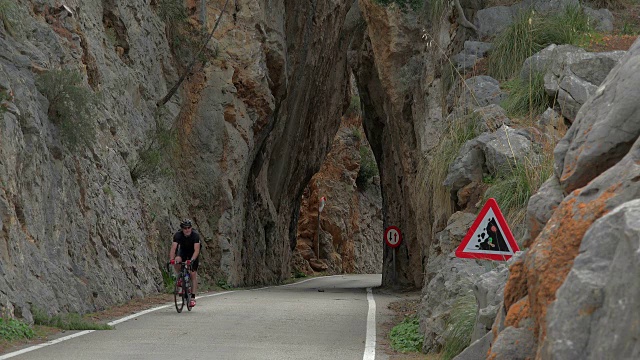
<point>178,298</point>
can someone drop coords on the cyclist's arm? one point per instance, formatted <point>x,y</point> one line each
<point>172,252</point>
<point>196,251</point>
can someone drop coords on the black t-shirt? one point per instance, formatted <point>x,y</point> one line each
<point>186,243</point>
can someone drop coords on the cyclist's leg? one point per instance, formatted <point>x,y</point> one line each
<point>178,261</point>
<point>194,276</point>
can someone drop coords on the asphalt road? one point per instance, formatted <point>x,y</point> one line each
<point>295,321</point>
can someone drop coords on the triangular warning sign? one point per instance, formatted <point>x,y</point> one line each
<point>489,237</point>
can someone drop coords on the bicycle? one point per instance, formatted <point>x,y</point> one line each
<point>182,289</point>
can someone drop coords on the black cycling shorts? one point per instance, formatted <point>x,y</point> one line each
<point>194,264</point>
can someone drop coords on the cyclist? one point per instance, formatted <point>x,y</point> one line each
<point>187,243</point>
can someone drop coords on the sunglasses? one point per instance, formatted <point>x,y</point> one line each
<point>186,227</point>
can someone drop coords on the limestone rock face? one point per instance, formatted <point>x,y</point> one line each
<point>600,174</point>
<point>597,298</point>
<point>450,277</point>
<point>575,76</point>
<point>85,228</point>
<point>351,222</point>
<point>607,128</point>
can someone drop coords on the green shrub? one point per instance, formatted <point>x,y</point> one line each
<point>526,97</point>
<point>297,274</point>
<point>70,105</point>
<point>172,11</point>
<point>12,329</point>
<point>565,27</point>
<point>513,190</point>
<point>155,158</point>
<point>222,283</point>
<point>70,321</point>
<point>460,325</point>
<point>530,33</point>
<point>406,336</point>
<point>513,46</point>
<point>355,133</point>
<point>4,95</point>
<point>11,17</point>
<point>354,106</point>
<point>168,280</point>
<point>368,167</point>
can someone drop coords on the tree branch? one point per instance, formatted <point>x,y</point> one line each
<point>462,20</point>
<point>193,61</point>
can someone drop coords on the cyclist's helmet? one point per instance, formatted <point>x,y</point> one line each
<point>186,223</point>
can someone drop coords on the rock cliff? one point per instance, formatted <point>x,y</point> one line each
<point>351,222</point>
<point>89,226</point>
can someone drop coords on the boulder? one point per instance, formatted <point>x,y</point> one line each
<point>477,48</point>
<point>477,350</point>
<point>468,167</point>
<point>463,61</point>
<point>506,148</point>
<point>481,91</point>
<point>449,278</point>
<point>492,117</point>
<point>602,18</point>
<point>605,130</point>
<point>488,289</point>
<point>491,21</point>
<point>542,205</point>
<point>574,75</point>
<point>454,279</point>
<point>541,61</point>
<point>514,344</point>
<point>595,315</point>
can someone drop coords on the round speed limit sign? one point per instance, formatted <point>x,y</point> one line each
<point>393,236</point>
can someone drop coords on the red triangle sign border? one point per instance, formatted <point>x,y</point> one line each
<point>502,223</point>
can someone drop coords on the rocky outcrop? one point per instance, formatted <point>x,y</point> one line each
<point>592,317</point>
<point>572,75</point>
<point>450,277</point>
<point>490,154</point>
<point>604,133</point>
<point>604,180</point>
<point>351,222</point>
<point>387,59</point>
<point>491,21</point>
<point>86,228</point>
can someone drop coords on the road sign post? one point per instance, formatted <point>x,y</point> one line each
<point>323,200</point>
<point>393,239</point>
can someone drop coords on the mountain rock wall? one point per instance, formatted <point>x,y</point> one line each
<point>86,227</point>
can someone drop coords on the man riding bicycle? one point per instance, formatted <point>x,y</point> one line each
<point>187,243</point>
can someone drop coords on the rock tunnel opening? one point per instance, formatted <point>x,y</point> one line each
<point>345,236</point>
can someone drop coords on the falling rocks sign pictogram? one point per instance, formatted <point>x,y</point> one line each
<point>489,237</point>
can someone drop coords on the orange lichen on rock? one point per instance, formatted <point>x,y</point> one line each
<point>516,287</point>
<point>517,312</point>
<point>552,254</point>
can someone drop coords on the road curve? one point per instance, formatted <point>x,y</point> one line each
<point>314,319</point>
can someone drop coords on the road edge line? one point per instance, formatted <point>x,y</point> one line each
<point>370,344</point>
<point>129,317</point>
<point>51,342</point>
<point>85,332</point>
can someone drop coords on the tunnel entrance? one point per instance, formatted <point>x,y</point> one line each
<point>345,237</point>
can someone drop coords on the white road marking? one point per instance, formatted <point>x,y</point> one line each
<point>52,342</point>
<point>36,347</point>
<point>370,345</point>
<point>69,337</point>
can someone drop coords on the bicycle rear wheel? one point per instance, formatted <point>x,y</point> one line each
<point>178,298</point>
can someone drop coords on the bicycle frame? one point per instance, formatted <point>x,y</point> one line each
<point>184,297</point>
